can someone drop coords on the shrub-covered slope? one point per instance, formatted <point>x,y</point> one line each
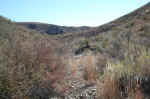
<point>29,69</point>
<point>113,57</point>
<point>117,36</point>
<point>52,29</point>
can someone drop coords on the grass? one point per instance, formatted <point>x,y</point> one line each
<point>125,78</point>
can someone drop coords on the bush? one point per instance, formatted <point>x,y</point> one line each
<point>26,62</point>
<point>128,77</point>
<point>110,89</point>
<point>90,67</point>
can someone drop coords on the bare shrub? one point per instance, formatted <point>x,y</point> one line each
<point>110,89</point>
<point>135,94</point>
<point>30,62</point>
<point>90,68</point>
<point>128,78</point>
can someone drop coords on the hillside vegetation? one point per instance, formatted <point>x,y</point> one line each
<point>28,67</point>
<point>52,29</point>
<point>106,62</point>
<point>114,38</point>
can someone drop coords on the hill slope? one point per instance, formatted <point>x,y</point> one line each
<point>26,57</point>
<point>113,38</point>
<point>52,29</point>
<point>133,26</point>
<point>113,58</point>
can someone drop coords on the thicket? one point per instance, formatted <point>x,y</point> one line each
<point>127,78</point>
<point>29,69</point>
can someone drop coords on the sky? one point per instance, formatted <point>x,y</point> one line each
<point>68,12</point>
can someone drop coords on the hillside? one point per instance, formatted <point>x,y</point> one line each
<point>134,25</point>
<point>52,29</point>
<point>32,66</point>
<point>26,57</point>
<point>139,15</point>
<point>44,61</point>
<point>115,36</point>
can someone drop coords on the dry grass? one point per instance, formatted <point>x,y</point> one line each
<point>89,62</point>
<point>136,94</point>
<point>74,65</point>
<point>110,89</point>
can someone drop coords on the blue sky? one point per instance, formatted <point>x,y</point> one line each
<point>68,12</point>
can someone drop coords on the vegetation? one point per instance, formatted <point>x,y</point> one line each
<point>27,64</point>
<point>113,57</point>
<point>127,78</point>
<point>52,29</point>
